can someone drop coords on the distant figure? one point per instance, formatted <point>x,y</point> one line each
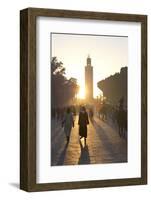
<point>68,123</point>
<point>121,102</point>
<point>122,118</point>
<point>103,111</point>
<point>83,122</point>
<point>91,114</point>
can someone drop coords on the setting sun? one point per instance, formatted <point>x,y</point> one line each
<point>81,94</point>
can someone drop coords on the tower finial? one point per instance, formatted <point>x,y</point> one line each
<point>88,60</point>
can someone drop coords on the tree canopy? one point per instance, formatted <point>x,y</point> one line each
<point>63,90</point>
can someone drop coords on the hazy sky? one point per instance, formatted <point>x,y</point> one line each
<point>108,54</point>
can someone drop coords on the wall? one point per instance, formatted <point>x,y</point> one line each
<point>9,100</point>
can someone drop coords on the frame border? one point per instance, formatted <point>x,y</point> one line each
<point>28,98</point>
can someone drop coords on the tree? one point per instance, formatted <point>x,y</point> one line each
<point>63,91</point>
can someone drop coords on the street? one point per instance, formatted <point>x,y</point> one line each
<point>103,145</point>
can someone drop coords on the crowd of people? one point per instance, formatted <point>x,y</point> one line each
<point>117,114</point>
<point>65,115</point>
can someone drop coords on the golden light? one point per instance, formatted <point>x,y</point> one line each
<point>81,94</point>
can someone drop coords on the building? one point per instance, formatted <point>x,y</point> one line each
<point>89,81</point>
<point>114,87</point>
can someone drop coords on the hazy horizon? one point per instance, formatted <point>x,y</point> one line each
<point>108,55</point>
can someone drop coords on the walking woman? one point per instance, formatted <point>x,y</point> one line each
<point>68,123</point>
<point>83,122</point>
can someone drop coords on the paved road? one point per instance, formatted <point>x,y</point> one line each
<point>103,145</point>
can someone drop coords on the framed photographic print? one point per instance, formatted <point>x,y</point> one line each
<point>83,99</point>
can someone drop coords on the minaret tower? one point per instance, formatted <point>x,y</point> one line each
<point>89,80</point>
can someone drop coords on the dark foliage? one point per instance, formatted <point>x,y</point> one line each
<point>63,90</point>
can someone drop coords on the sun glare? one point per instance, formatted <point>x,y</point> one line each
<point>81,94</point>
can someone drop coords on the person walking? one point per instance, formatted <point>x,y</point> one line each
<point>83,122</point>
<point>91,114</point>
<point>68,123</point>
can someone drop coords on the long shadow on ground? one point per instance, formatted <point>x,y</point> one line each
<point>84,156</point>
<point>114,150</point>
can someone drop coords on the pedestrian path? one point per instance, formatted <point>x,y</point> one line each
<point>103,145</point>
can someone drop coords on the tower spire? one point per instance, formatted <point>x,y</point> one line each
<point>89,60</point>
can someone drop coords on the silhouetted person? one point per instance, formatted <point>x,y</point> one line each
<point>68,123</point>
<point>91,114</point>
<point>104,111</point>
<point>83,122</point>
<point>122,118</point>
<point>121,104</point>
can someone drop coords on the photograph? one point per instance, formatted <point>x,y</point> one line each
<point>89,99</point>
<point>83,99</point>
